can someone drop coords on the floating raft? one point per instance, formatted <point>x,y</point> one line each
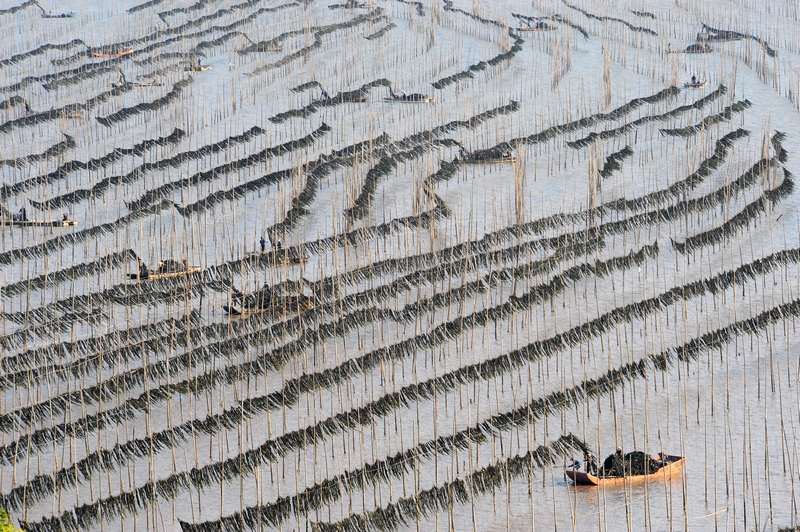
<point>38,223</point>
<point>674,464</point>
<point>694,85</point>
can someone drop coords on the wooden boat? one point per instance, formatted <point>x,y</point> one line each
<point>275,311</point>
<point>673,465</point>
<point>541,26</point>
<point>410,98</point>
<point>695,85</point>
<point>38,223</point>
<point>167,269</point>
<point>497,160</point>
<point>112,55</point>
<point>195,68</point>
<point>163,275</point>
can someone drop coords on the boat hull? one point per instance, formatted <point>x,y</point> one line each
<point>166,275</point>
<point>38,223</point>
<point>582,478</point>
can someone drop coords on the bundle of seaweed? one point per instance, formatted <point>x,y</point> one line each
<point>777,145</point>
<point>563,20</point>
<point>615,114</point>
<point>741,220</point>
<point>722,116</point>
<point>318,32</point>
<point>381,32</point>
<point>423,503</point>
<point>56,150</point>
<point>60,242</point>
<point>614,161</point>
<point>197,6</point>
<point>155,105</point>
<point>587,14</point>
<point>630,126</point>
<point>92,164</point>
<point>106,184</point>
<point>84,515</point>
<point>14,9</point>
<point>326,163</point>
<point>448,6</point>
<point>144,5</point>
<point>16,58</point>
<point>90,347</point>
<point>385,166</point>
<point>179,30</point>
<point>64,111</point>
<point>716,34</point>
<point>482,65</point>
<point>309,85</point>
<point>350,4</point>
<point>112,260</point>
<point>301,202</point>
<point>358,95</point>
<point>162,191</point>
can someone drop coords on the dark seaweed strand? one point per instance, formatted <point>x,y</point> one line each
<point>742,220</point>
<point>145,5</point>
<point>56,150</point>
<point>381,32</point>
<point>253,406</point>
<point>614,161</point>
<point>155,105</point>
<point>104,185</point>
<point>163,191</point>
<point>380,471</point>
<point>587,14</point>
<point>484,369</point>
<point>55,114</point>
<point>326,492</point>
<point>723,116</point>
<point>92,164</point>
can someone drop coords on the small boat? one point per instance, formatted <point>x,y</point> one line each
<point>275,311</point>
<point>492,160</point>
<point>537,26</point>
<point>274,301</point>
<point>112,55</point>
<point>166,269</point>
<point>37,223</point>
<point>695,85</point>
<point>673,465</point>
<point>409,98</point>
<point>196,68</point>
<point>490,156</point>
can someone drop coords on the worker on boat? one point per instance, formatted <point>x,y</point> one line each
<point>263,244</point>
<point>590,463</point>
<point>22,215</point>
<point>64,218</point>
<point>143,272</point>
<point>694,79</point>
